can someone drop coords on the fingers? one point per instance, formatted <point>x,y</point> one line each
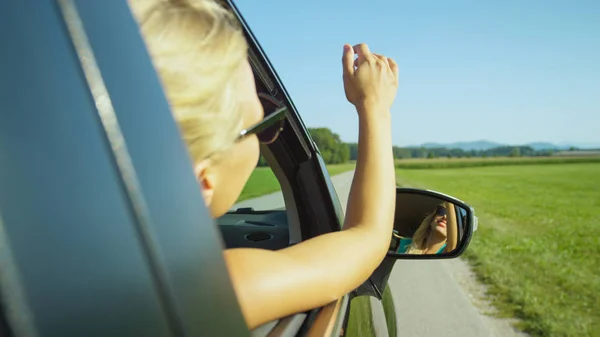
<point>348,60</point>
<point>381,58</point>
<point>390,62</point>
<point>363,52</point>
<point>393,66</point>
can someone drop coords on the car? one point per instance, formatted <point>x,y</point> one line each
<point>103,229</point>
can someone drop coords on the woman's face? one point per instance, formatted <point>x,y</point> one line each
<point>222,182</point>
<point>440,221</point>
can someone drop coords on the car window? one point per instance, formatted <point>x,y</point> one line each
<point>262,191</point>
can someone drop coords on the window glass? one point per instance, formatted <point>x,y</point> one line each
<point>262,191</point>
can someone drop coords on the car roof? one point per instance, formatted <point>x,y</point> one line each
<point>103,230</point>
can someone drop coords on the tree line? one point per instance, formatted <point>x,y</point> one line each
<point>332,148</point>
<point>335,151</point>
<point>501,151</point>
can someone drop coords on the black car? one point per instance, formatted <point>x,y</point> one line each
<point>103,230</point>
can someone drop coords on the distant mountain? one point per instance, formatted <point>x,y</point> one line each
<point>583,145</point>
<point>546,146</point>
<point>486,145</point>
<point>466,146</point>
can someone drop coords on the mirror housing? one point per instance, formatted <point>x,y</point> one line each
<point>412,207</point>
<point>442,225</point>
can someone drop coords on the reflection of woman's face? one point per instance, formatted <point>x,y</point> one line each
<point>440,221</point>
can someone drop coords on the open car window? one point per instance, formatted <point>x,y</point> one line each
<point>262,191</point>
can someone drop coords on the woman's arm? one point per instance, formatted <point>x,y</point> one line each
<point>273,284</point>
<point>452,229</point>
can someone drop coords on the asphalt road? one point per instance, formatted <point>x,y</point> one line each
<point>432,298</point>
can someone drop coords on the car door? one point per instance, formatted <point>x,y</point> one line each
<point>103,231</point>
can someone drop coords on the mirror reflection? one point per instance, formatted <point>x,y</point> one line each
<point>426,225</point>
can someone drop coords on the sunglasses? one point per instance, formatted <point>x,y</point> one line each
<point>271,126</point>
<point>441,211</point>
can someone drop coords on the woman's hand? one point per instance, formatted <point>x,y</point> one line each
<point>370,81</point>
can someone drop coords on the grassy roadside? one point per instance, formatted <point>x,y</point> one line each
<point>438,163</point>
<point>538,243</point>
<point>340,168</point>
<point>263,180</point>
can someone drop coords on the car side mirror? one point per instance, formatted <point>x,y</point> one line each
<point>430,225</point>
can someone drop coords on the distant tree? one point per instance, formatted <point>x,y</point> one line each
<point>401,152</point>
<point>333,150</point>
<point>459,153</point>
<point>353,150</point>
<point>546,152</point>
<point>515,152</point>
<point>341,153</point>
<point>421,152</point>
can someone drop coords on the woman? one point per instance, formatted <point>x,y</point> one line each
<point>200,54</point>
<point>435,235</point>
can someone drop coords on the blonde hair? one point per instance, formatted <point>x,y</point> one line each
<point>419,239</point>
<point>196,47</point>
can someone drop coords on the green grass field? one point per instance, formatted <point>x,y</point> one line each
<point>263,180</point>
<point>538,242</point>
<point>437,163</point>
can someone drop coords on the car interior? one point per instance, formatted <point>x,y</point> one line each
<point>257,228</point>
<point>289,159</point>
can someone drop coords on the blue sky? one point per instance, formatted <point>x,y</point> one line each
<point>507,71</point>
